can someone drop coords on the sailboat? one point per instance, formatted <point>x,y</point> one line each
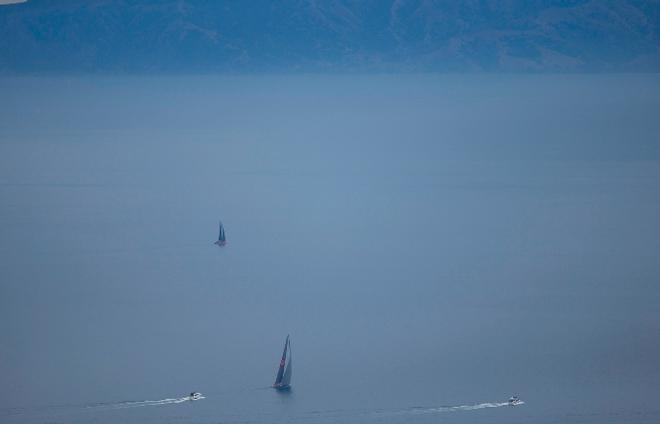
<point>222,240</point>
<point>283,379</point>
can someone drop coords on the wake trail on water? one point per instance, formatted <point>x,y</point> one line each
<point>440,409</point>
<point>65,409</point>
<point>143,403</point>
<point>383,414</point>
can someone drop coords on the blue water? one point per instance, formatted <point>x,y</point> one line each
<point>433,244</point>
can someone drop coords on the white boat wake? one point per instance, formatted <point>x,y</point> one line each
<point>59,410</point>
<point>143,403</point>
<point>441,409</point>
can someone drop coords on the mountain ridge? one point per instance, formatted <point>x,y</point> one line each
<point>330,36</point>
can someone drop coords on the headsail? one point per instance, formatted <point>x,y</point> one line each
<point>279,380</point>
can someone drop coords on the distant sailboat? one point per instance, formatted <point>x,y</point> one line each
<point>222,240</point>
<point>283,379</point>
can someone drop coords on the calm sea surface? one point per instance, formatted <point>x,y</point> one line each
<point>432,244</point>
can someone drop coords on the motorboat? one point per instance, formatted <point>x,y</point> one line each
<point>514,400</point>
<point>195,396</point>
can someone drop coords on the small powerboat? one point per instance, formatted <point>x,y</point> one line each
<point>514,400</point>
<point>195,396</point>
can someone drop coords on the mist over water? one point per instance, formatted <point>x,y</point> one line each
<point>430,243</point>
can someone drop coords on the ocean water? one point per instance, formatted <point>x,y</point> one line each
<point>432,243</point>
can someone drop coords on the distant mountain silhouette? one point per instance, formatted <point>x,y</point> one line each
<point>329,35</point>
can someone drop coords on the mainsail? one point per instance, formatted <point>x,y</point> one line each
<point>286,378</point>
<point>222,240</point>
<point>283,379</point>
